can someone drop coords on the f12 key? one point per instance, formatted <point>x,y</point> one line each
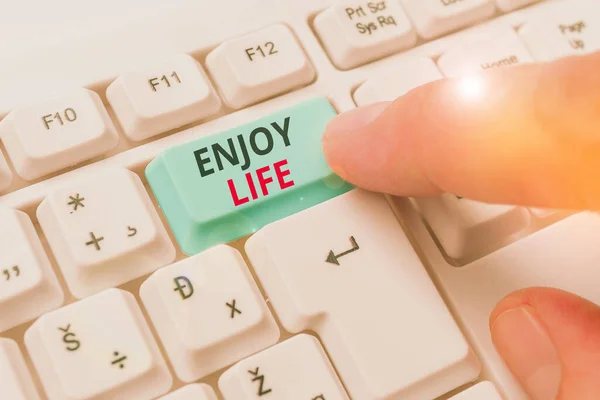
<point>225,186</point>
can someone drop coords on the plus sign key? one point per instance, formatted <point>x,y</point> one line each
<point>208,312</point>
<point>104,231</point>
<point>99,348</point>
<point>228,185</point>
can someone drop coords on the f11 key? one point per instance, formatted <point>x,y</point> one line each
<point>225,186</point>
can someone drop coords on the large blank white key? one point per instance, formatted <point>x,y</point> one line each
<point>563,256</point>
<point>405,76</point>
<point>481,391</point>
<point>357,32</point>
<point>437,17</point>
<point>15,380</point>
<point>509,5</point>
<point>28,286</point>
<point>104,231</point>
<point>162,97</point>
<point>99,348</point>
<point>570,28</point>
<point>259,65</point>
<point>297,369</point>
<point>208,312</point>
<point>499,47</point>
<point>57,133</point>
<point>467,228</point>
<point>346,270</point>
<point>195,391</point>
<point>5,174</point>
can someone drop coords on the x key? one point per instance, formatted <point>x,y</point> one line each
<point>234,309</point>
<point>214,286</point>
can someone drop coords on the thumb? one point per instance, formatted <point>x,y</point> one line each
<point>550,340</point>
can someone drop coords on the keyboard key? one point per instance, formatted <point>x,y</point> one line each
<point>5,174</point>
<point>28,286</point>
<point>208,312</point>
<point>15,379</point>
<point>562,255</point>
<point>434,17</point>
<point>228,185</point>
<point>509,5</point>
<point>405,76</point>
<point>57,133</point>
<point>99,348</point>
<point>271,374</point>
<point>162,97</point>
<point>470,229</point>
<point>572,28</point>
<point>104,231</point>
<point>357,32</point>
<point>259,65</point>
<point>195,391</point>
<point>484,390</point>
<point>346,270</point>
<point>500,47</point>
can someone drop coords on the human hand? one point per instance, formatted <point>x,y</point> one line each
<point>527,135</point>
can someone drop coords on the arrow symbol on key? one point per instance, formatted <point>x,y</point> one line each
<point>333,258</point>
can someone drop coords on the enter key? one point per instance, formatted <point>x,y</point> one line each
<point>228,185</point>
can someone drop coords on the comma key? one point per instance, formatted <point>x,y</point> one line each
<point>28,286</point>
<point>228,185</point>
<point>381,286</point>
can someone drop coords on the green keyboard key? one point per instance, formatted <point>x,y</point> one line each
<point>228,185</point>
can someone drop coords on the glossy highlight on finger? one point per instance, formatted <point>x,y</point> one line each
<point>486,136</point>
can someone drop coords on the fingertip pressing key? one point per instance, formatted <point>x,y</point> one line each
<point>507,136</point>
<point>341,128</point>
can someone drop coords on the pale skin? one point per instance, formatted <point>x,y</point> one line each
<point>526,135</point>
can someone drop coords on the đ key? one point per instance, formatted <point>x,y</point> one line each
<point>228,185</point>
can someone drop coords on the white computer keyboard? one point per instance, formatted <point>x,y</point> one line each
<point>234,265</point>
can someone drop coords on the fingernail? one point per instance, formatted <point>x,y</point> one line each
<point>528,351</point>
<point>353,120</point>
